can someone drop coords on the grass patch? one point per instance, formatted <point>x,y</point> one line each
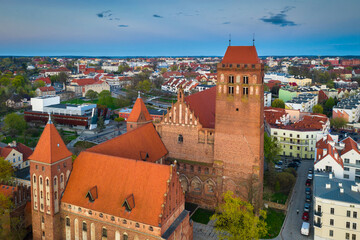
<point>202,216</point>
<point>78,101</point>
<point>279,198</point>
<point>274,221</point>
<point>84,144</point>
<point>168,100</point>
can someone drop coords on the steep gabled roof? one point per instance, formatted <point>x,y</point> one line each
<point>134,145</point>
<point>241,54</point>
<point>50,147</point>
<point>116,179</point>
<point>203,105</point>
<point>139,111</point>
<point>350,144</point>
<point>25,150</point>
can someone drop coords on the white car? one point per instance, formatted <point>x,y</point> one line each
<point>310,176</point>
<point>305,228</point>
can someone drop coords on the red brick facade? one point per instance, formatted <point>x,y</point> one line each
<point>227,154</point>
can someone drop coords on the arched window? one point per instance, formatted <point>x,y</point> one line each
<point>84,227</point>
<point>34,178</point>
<point>62,178</point>
<point>104,232</point>
<point>47,182</point>
<point>55,181</point>
<point>40,180</point>
<point>125,236</point>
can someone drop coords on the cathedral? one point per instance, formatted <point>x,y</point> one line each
<point>134,186</point>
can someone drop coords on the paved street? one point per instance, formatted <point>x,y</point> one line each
<point>292,226</point>
<point>204,232</point>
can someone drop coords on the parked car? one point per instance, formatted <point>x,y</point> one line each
<point>310,176</point>
<point>292,165</point>
<point>308,190</point>
<point>308,182</point>
<point>297,161</point>
<point>305,216</point>
<point>310,170</point>
<point>305,228</point>
<point>308,198</point>
<point>307,207</point>
<point>277,167</point>
<point>279,163</point>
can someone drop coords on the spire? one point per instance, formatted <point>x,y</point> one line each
<point>253,39</point>
<point>49,121</point>
<point>230,39</point>
<point>139,109</point>
<point>50,147</point>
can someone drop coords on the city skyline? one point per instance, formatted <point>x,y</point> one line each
<point>159,28</point>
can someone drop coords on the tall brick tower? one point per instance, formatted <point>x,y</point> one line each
<point>138,116</point>
<point>239,124</point>
<point>50,167</point>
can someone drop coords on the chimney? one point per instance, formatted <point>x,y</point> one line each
<point>341,190</point>
<point>354,188</point>
<point>328,186</point>
<point>340,184</point>
<point>324,151</point>
<point>330,176</point>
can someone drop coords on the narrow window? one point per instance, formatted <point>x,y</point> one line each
<point>47,182</point>
<point>348,213</point>
<point>354,226</point>
<point>347,224</point>
<point>68,222</point>
<point>354,214</point>
<point>331,233</point>
<point>245,91</point>
<point>104,232</point>
<point>246,80</point>
<point>180,138</point>
<point>231,90</point>
<point>84,227</point>
<point>42,219</point>
<point>332,211</point>
<point>332,222</point>
<point>231,79</point>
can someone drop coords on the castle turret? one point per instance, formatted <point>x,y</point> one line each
<point>50,167</point>
<point>138,116</point>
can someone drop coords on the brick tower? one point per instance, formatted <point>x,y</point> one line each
<point>50,167</point>
<point>239,124</point>
<point>138,116</point>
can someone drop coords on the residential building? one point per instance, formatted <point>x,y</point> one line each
<point>342,158</point>
<point>296,139</point>
<point>267,99</point>
<point>83,85</point>
<point>17,154</point>
<point>348,108</point>
<point>45,91</point>
<point>303,102</point>
<point>336,208</point>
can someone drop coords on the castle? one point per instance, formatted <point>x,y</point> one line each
<point>134,186</point>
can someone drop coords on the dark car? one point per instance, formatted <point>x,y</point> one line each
<point>307,207</point>
<point>305,216</point>
<point>292,165</point>
<point>310,170</point>
<point>308,191</point>
<point>308,182</point>
<point>308,198</point>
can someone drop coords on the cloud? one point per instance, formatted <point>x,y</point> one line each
<point>226,22</point>
<point>157,16</point>
<point>279,18</point>
<point>104,14</point>
<point>123,26</point>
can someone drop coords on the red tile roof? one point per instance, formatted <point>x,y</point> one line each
<point>4,152</point>
<point>116,179</point>
<point>50,147</point>
<point>46,80</point>
<point>203,105</point>
<point>84,81</point>
<point>25,150</point>
<point>241,54</point>
<point>47,89</point>
<point>273,115</point>
<point>139,112</point>
<point>350,144</point>
<point>7,190</point>
<point>134,145</point>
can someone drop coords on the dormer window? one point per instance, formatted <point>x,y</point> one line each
<point>92,194</point>
<point>129,203</point>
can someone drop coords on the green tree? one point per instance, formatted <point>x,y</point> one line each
<point>338,122</point>
<point>266,88</point>
<point>317,109</point>
<point>330,84</point>
<point>123,68</point>
<point>100,123</point>
<point>91,94</point>
<point>278,103</point>
<point>4,81</point>
<point>144,86</point>
<point>105,98</point>
<point>163,70</point>
<point>174,67</point>
<point>329,104</point>
<point>6,170</point>
<point>18,81</point>
<point>62,77</point>
<point>286,181</point>
<point>38,84</point>
<point>14,124</point>
<point>235,219</point>
<point>272,149</point>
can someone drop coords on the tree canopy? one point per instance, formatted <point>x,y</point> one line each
<point>105,98</point>
<point>14,124</point>
<point>91,94</point>
<point>338,122</point>
<point>236,219</point>
<point>123,68</point>
<point>272,149</point>
<point>6,170</point>
<point>317,109</point>
<point>278,103</point>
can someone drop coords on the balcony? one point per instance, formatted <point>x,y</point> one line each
<point>317,213</point>
<point>317,224</point>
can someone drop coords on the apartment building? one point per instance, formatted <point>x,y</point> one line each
<point>336,208</point>
<point>348,108</point>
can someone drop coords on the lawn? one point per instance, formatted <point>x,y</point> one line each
<point>202,216</point>
<point>279,198</point>
<point>274,221</point>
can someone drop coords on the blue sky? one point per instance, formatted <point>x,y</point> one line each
<point>178,27</point>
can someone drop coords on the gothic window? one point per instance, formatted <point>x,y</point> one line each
<point>56,195</point>
<point>84,227</point>
<point>231,79</point>
<point>245,91</point>
<point>231,90</point>
<point>180,138</point>
<point>192,168</point>
<point>104,232</point>
<point>47,182</point>
<point>61,178</point>
<point>40,178</point>
<point>68,222</point>
<point>246,80</point>
<point>125,236</point>
<point>55,181</point>
<point>42,219</point>
<point>196,185</point>
<point>34,178</point>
